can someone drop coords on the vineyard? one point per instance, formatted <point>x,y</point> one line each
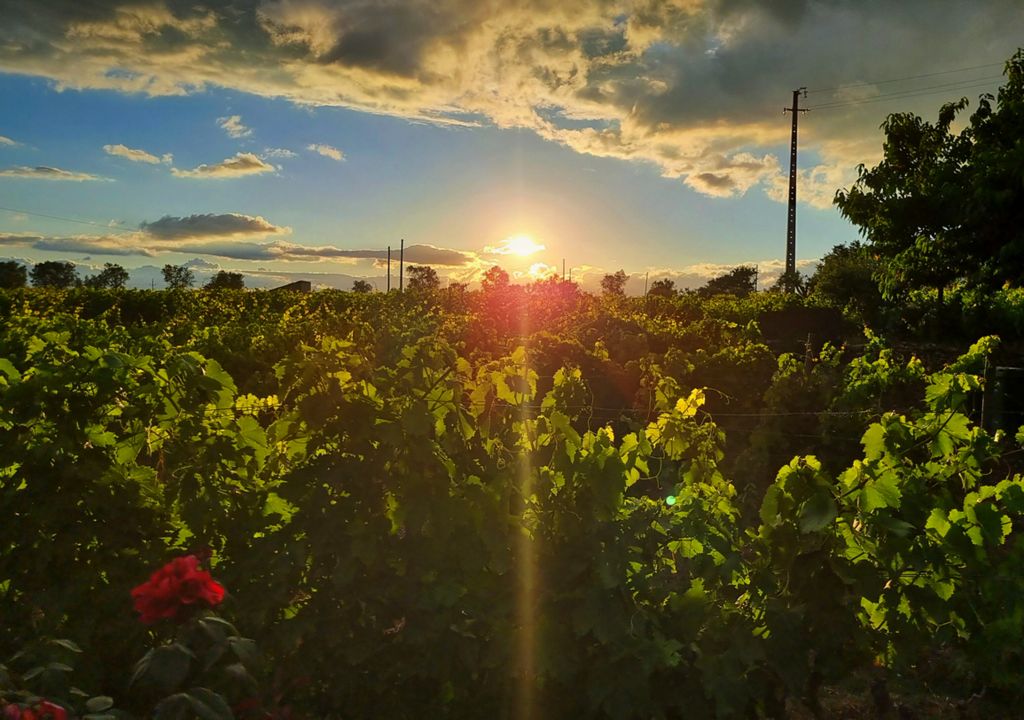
<point>521,503</point>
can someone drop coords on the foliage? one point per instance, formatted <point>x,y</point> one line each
<point>178,276</point>
<point>739,282</point>
<point>12,275</point>
<point>361,286</point>
<point>945,206</point>
<point>111,276</point>
<point>225,280</point>
<point>465,504</point>
<point>665,287</point>
<point>422,278</point>
<point>614,284</point>
<point>846,279</point>
<point>54,273</point>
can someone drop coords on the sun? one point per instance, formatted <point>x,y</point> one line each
<point>521,245</point>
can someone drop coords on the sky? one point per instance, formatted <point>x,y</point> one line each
<point>298,139</point>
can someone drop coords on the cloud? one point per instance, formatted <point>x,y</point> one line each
<point>691,87</point>
<point>233,126</point>
<point>226,225</point>
<point>515,245</point>
<point>137,155</point>
<point>201,264</point>
<point>327,151</point>
<point>44,172</point>
<point>240,165</point>
<point>7,141</point>
<point>281,153</point>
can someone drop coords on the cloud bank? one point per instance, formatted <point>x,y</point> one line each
<point>136,155</point>
<point>692,87</point>
<point>44,172</point>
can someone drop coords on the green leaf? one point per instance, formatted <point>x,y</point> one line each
<point>167,667</point>
<point>208,705</point>
<point>882,492</point>
<point>8,369</point>
<point>818,512</point>
<point>874,441</point>
<point>99,704</point>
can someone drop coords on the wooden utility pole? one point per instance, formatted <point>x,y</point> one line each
<point>791,227</point>
<point>389,268</point>
<point>401,266</point>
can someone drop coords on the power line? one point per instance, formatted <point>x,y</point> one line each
<point>59,217</point>
<point>903,79</point>
<point>921,92</point>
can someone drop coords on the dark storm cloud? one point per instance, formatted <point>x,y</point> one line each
<point>688,85</point>
<point>211,226</point>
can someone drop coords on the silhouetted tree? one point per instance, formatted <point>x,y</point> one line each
<point>614,284</point>
<point>225,280</point>
<point>494,279</point>
<point>361,286</point>
<point>54,273</point>
<point>422,278</point>
<point>663,288</point>
<point>178,276</point>
<point>739,282</point>
<point>12,275</point>
<point>792,282</point>
<point>111,276</point>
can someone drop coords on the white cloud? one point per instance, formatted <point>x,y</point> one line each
<point>225,225</point>
<point>241,165</point>
<point>7,141</point>
<point>233,126</point>
<point>278,153</point>
<point>136,155</point>
<point>327,151</point>
<point>44,172</point>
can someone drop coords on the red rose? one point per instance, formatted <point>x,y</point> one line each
<point>174,589</point>
<point>49,711</point>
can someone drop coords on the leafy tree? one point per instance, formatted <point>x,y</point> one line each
<point>178,276</point>
<point>54,273</point>
<point>945,206</point>
<point>663,288</point>
<point>792,282</point>
<point>225,280</point>
<point>111,276</point>
<point>361,286</point>
<point>740,281</point>
<point>12,274</point>
<point>494,279</point>
<point>423,278</point>
<point>614,284</point>
<point>846,278</point>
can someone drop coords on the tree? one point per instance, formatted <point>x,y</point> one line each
<point>423,278</point>
<point>178,276</point>
<point>12,275</point>
<point>54,273</point>
<point>361,286</point>
<point>614,284</point>
<point>846,278</point>
<point>225,280</point>
<point>494,279</point>
<point>740,281</point>
<point>663,288</point>
<point>111,276</point>
<point>792,282</point>
<point>945,206</point>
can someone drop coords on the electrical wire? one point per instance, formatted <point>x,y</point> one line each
<point>920,92</point>
<point>64,219</point>
<point>902,79</point>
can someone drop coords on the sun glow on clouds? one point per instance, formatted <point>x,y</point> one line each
<point>521,245</point>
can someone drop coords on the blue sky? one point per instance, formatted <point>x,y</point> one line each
<point>675,187</point>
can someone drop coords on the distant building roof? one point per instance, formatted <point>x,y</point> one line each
<point>297,286</point>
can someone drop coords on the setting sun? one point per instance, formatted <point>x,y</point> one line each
<point>521,245</point>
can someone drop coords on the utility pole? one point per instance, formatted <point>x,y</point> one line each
<point>389,268</point>
<point>791,228</point>
<point>646,276</point>
<point>563,269</point>
<point>401,266</point>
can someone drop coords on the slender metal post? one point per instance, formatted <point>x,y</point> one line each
<point>389,268</point>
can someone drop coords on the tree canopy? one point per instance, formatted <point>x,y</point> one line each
<point>178,276</point>
<point>225,280</point>
<point>111,276</point>
<point>361,286</point>
<point>614,284</point>
<point>54,273</point>
<point>12,275</point>
<point>740,281</point>
<point>423,277</point>
<point>944,206</point>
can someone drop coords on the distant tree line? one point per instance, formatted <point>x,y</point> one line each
<point>61,274</point>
